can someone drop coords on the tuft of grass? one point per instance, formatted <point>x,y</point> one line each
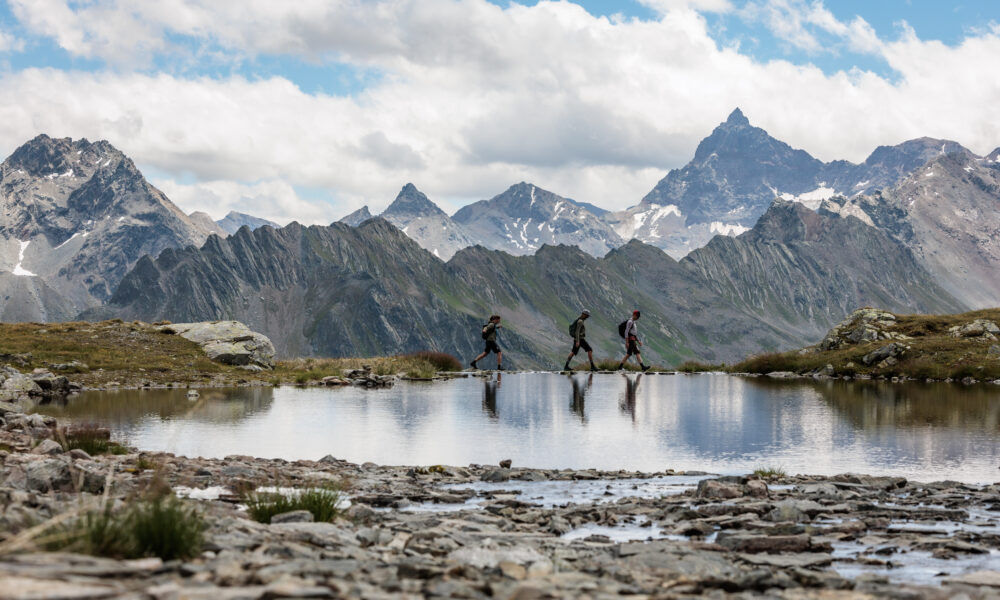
<point>441,361</point>
<point>146,464</point>
<point>163,526</point>
<point>324,503</point>
<point>90,438</point>
<point>693,366</point>
<point>770,472</point>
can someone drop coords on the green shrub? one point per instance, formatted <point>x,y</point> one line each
<point>323,503</point>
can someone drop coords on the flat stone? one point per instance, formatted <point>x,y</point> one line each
<point>49,447</point>
<point>295,516</point>
<point>785,561</point>
<point>13,587</point>
<point>978,578</point>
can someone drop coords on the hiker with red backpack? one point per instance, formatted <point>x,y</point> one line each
<point>627,329</point>
<point>490,335</point>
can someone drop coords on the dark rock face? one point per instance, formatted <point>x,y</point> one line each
<point>525,217</point>
<point>232,222</point>
<point>76,216</point>
<point>370,290</point>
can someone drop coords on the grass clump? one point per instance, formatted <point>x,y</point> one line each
<point>770,472</point>
<point>441,361</point>
<point>323,503</point>
<point>693,366</point>
<point>163,526</point>
<point>92,439</point>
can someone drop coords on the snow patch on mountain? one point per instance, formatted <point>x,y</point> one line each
<point>18,269</point>
<point>730,229</point>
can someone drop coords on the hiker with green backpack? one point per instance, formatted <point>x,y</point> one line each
<point>490,335</point>
<point>578,332</point>
<point>628,330</point>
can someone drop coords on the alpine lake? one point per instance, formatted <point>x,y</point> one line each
<point>714,423</point>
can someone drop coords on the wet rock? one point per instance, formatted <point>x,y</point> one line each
<point>713,488</point>
<point>749,543</point>
<point>794,510</point>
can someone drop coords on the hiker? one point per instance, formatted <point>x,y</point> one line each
<point>579,333</point>
<point>490,335</point>
<point>632,343</point>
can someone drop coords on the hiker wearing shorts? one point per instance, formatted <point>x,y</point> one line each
<point>579,333</point>
<point>490,335</point>
<point>632,342</point>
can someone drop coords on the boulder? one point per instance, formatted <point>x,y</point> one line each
<point>19,384</point>
<point>227,342</point>
<point>893,350</point>
<point>980,328</point>
<point>47,447</point>
<point>48,474</point>
<point>713,488</point>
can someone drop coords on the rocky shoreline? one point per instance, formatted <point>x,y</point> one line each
<point>500,532</point>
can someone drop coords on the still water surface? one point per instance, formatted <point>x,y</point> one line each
<point>711,422</point>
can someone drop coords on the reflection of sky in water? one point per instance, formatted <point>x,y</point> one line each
<point>705,422</point>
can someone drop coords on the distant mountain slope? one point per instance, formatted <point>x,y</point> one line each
<point>77,216</point>
<point>425,223</point>
<point>736,173</point>
<point>525,217</point>
<point>232,222</point>
<point>800,271</point>
<point>357,217</point>
<point>343,291</point>
<point>948,213</point>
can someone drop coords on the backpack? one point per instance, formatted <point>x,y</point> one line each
<point>572,328</point>
<point>486,334</point>
<point>621,327</point>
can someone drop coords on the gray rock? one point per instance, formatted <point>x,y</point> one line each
<point>496,475</point>
<point>227,342</point>
<point>49,447</point>
<point>892,350</point>
<point>20,384</point>
<point>712,488</point>
<point>48,475</point>
<point>295,516</point>
<point>794,510</point>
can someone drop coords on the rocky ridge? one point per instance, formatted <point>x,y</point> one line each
<point>422,220</point>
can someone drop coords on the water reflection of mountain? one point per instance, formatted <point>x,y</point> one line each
<point>873,405</point>
<point>124,408</point>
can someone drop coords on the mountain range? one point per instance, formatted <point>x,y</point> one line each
<point>766,247</point>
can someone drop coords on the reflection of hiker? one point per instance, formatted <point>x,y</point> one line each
<point>580,394</point>
<point>629,331</point>
<point>579,333</point>
<point>490,335</point>
<point>490,396</point>
<point>631,387</point>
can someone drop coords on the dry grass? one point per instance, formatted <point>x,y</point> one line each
<point>933,353</point>
<point>129,353</point>
<point>418,365</point>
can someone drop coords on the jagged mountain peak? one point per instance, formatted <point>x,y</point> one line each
<point>993,157</point>
<point>233,221</point>
<point>410,203</point>
<point>737,119</point>
<point>357,217</point>
<point>45,156</point>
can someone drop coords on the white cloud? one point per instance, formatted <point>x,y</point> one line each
<point>472,98</point>
<point>803,23</point>
<point>665,6</point>
<point>10,43</point>
<point>273,199</point>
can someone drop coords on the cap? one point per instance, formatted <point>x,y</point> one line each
<point>586,312</point>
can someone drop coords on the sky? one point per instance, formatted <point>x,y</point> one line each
<point>308,110</point>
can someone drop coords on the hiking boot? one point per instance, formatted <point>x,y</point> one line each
<point>645,368</point>
<point>499,368</point>
<point>473,365</point>
<point>566,367</point>
<point>593,368</point>
<point>620,367</point>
